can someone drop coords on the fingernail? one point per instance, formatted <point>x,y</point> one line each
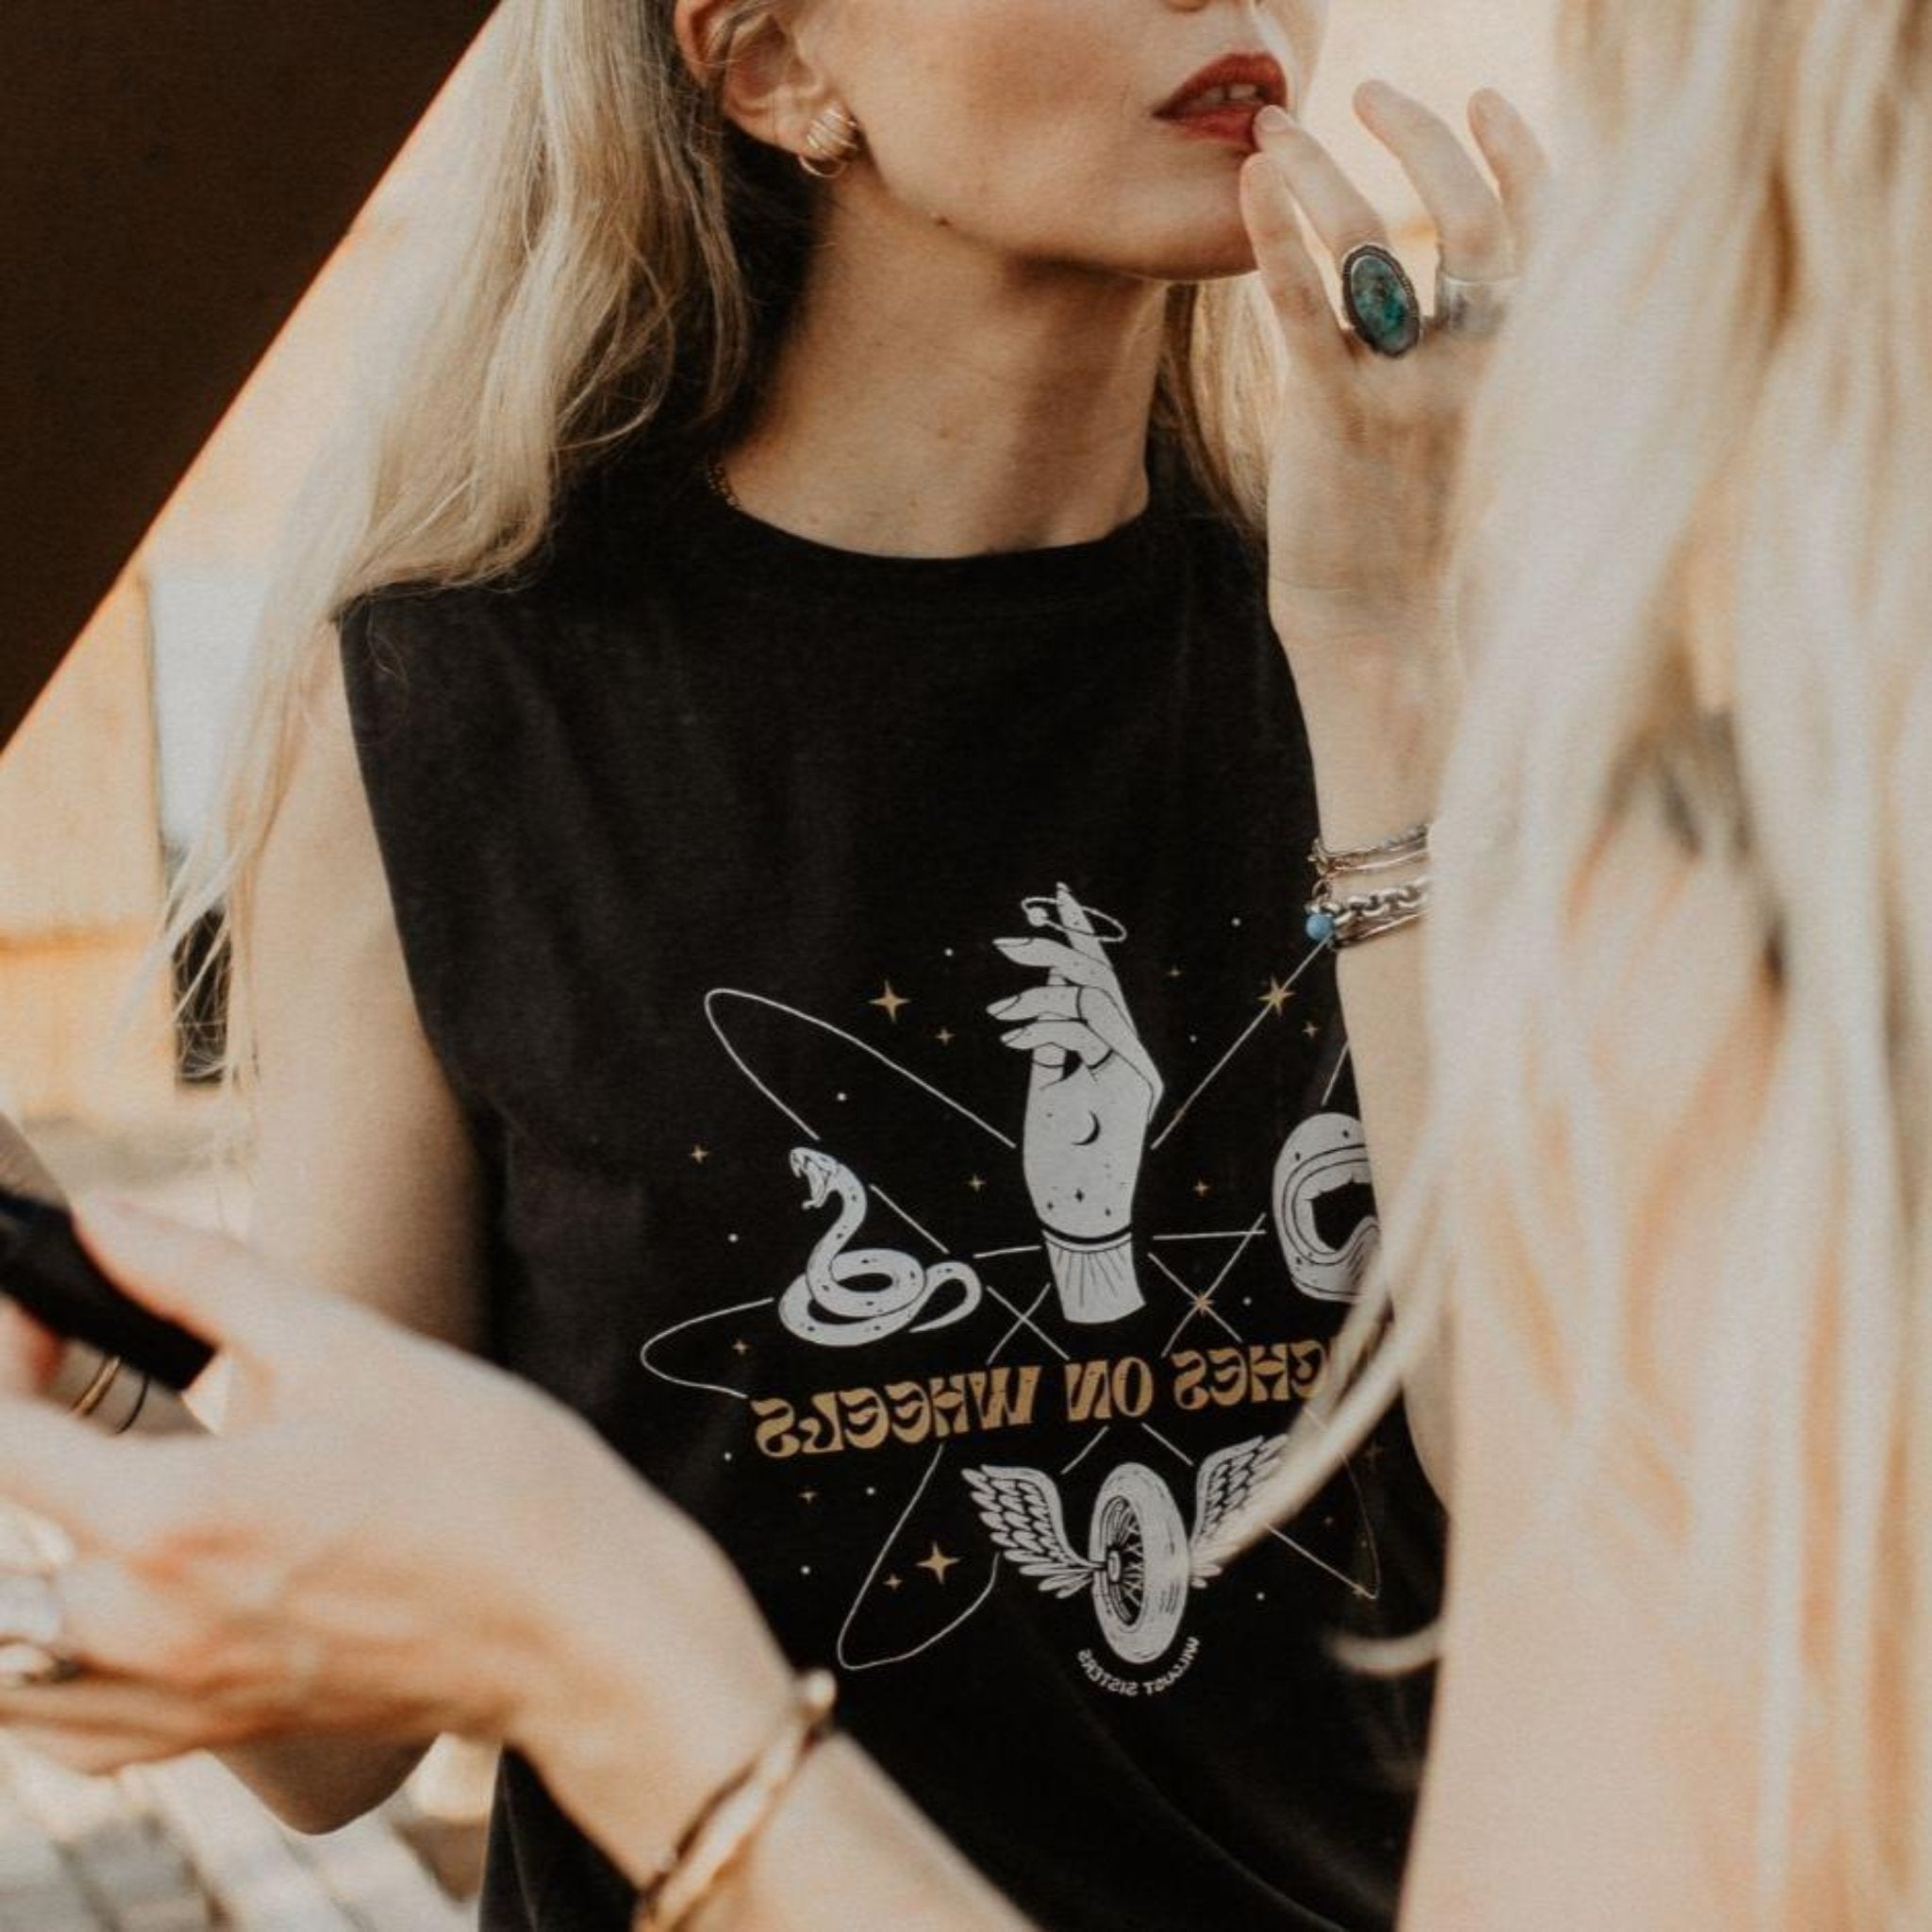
<point>1273,120</point>
<point>999,1007</point>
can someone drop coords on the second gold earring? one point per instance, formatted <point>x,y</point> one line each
<point>832,142</point>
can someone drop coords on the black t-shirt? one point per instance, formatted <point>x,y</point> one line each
<point>920,1139</point>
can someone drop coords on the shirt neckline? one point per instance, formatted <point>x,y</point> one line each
<point>768,560</point>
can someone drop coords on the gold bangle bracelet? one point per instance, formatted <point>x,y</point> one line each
<point>95,1393</point>
<point>730,1820</point>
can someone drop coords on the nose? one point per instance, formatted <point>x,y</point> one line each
<point>1293,29</point>
<point>1308,13</point>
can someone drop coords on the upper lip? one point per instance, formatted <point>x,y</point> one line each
<point>1261,72</point>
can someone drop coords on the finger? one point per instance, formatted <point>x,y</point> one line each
<point>59,1467</point>
<point>95,1752</point>
<point>30,1353</point>
<point>124,1628</point>
<point>208,1283</point>
<point>23,1171</point>
<point>103,1702</point>
<point>1075,924</point>
<point>1469,222</point>
<point>1517,159</point>
<point>1290,278</point>
<point>1063,1036</point>
<point>1052,1001</point>
<point>1050,955</point>
<point>1109,1020</point>
<point>1337,209</point>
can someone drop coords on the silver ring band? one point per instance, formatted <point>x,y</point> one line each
<point>1467,308</point>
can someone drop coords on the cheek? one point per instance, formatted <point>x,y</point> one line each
<point>1028,125</point>
<point>981,109</point>
<point>969,129</point>
<point>1060,192</point>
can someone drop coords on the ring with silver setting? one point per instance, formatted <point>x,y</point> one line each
<point>1466,307</point>
<point>33,1619</point>
<point>1382,304</point>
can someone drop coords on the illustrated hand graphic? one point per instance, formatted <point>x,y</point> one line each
<point>1093,1088</point>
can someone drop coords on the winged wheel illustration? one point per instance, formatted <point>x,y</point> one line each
<point>1140,1559</point>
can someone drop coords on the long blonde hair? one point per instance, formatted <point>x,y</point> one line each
<point>614,260</point>
<point>1701,589</point>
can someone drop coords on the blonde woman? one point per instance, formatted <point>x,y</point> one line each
<point>1676,1190</point>
<point>1708,694</point>
<point>767,886</point>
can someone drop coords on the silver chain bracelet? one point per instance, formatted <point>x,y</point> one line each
<point>1346,919</point>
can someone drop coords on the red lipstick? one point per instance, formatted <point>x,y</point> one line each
<point>1219,103</point>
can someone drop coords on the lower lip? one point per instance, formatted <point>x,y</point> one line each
<point>1232,126</point>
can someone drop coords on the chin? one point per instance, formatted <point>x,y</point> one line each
<point>1206,255</point>
<point>1205,240</point>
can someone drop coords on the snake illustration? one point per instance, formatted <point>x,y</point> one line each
<point>823,1304</point>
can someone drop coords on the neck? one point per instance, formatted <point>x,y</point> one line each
<point>933,401</point>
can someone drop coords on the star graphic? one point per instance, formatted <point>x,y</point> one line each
<point>975,1183</point>
<point>1278,994</point>
<point>889,1002</point>
<point>1174,972</point>
<point>740,1346</point>
<point>1204,1304</point>
<point>701,1155</point>
<point>1202,1189</point>
<point>895,1583</point>
<point>944,1036</point>
<point>938,1563</point>
<point>808,1495</point>
<point>1312,1030</point>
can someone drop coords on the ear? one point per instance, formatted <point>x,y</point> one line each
<point>767,83</point>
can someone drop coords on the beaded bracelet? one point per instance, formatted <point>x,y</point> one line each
<point>729,1823</point>
<point>1367,915</point>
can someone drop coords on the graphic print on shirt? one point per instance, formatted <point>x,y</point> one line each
<point>1093,1091</point>
<point>1140,1561</point>
<point>1024,1323</point>
<point>1321,1194</point>
<point>828,1304</point>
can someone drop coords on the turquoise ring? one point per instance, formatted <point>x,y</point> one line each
<point>1383,307</point>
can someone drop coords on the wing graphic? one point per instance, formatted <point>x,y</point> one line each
<point>1223,1484</point>
<point>1021,1508</point>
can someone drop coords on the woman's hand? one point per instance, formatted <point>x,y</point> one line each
<point>30,1355</point>
<point>1366,454</point>
<point>369,1547</point>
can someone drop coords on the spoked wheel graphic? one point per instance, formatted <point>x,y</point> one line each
<point>1139,1545</point>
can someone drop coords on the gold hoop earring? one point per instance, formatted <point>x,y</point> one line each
<point>832,142</point>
